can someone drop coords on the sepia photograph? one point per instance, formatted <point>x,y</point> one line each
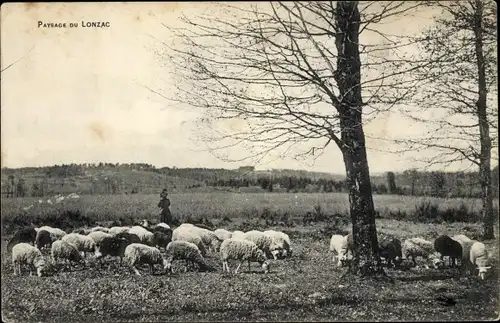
<point>249,161</point>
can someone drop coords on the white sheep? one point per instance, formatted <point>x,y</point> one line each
<point>223,234</point>
<point>55,233</point>
<point>238,234</point>
<point>478,256</point>
<point>138,253</point>
<point>163,225</point>
<point>466,243</point>
<point>242,250</point>
<point>145,235</point>
<point>263,242</point>
<point>99,228</point>
<point>186,234</point>
<point>282,240</point>
<point>82,242</point>
<point>209,238</point>
<point>25,254</point>
<point>98,236</point>
<point>338,245</point>
<point>415,247</point>
<point>183,250</point>
<point>63,250</point>
<point>116,230</point>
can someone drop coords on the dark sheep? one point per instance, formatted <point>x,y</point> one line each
<point>113,247</point>
<point>162,229</point>
<point>161,239</point>
<point>391,251</point>
<point>446,246</point>
<point>130,237</point>
<point>43,239</point>
<point>27,235</point>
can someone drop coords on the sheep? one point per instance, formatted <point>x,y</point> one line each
<point>130,237</point>
<point>417,247</point>
<point>263,242</point>
<point>446,246</point>
<point>84,231</point>
<point>113,247</point>
<point>137,253</point>
<point>27,235</point>
<point>478,256</point>
<point>209,238</point>
<point>99,228</point>
<point>186,234</point>
<point>238,234</point>
<point>223,234</point>
<point>242,250</point>
<point>116,230</point>
<point>55,233</point>
<point>98,236</point>
<point>177,250</point>
<point>162,227</point>
<point>25,254</point>
<point>66,251</point>
<point>43,239</point>
<point>391,251</point>
<point>143,234</point>
<point>338,245</point>
<point>161,239</point>
<point>83,243</point>
<point>282,240</point>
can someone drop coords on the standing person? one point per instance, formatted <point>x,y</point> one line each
<point>164,205</point>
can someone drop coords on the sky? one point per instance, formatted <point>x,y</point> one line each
<point>77,95</point>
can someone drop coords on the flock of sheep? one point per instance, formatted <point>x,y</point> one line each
<point>471,253</point>
<point>141,244</point>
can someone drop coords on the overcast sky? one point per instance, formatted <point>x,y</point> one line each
<point>77,94</point>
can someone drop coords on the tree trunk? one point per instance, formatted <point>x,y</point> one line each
<point>352,144</point>
<point>484,129</point>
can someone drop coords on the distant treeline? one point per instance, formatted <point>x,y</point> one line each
<point>115,178</point>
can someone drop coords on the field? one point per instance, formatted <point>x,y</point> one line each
<point>304,287</point>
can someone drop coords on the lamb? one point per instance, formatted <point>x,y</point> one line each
<point>223,234</point>
<point>98,236</point>
<point>83,243</point>
<point>177,250</point>
<point>417,247</point>
<point>99,228</point>
<point>338,245</point>
<point>391,251</point>
<point>43,239</point>
<point>65,251</point>
<point>186,234</point>
<point>446,246</point>
<point>27,235</point>
<point>161,239</point>
<point>282,240</point>
<point>55,233</point>
<point>143,234</point>
<point>116,230</point>
<point>25,254</point>
<point>242,250</point>
<point>478,256</point>
<point>263,242</point>
<point>137,253</point>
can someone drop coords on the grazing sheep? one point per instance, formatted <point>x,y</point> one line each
<point>238,235</point>
<point>183,250</point>
<point>130,237</point>
<point>446,246</point>
<point>138,253</point>
<point>338,245</point>
<point>55,233</point>
<point>67,252</point>
<point>113,246</point>
<point>84,231</point>
<point>98,236</point>
<point>223,234</point>
<point>161,239</point>
<point>391,251</point>
<point>263,242</point>
<point>417,247</point>
<point>116,230</point>
<point>83,243</point>
<point>26,235</point>
<point>162,227</point>
<point>478,256</point>
<point>242,250</point>
<point>43,239</point>
<point>99,228</point>
<point>282,240</point>
<point>143,234</point>
<point>25,254</point>
<point>209,238</point>
<point>186,234</point>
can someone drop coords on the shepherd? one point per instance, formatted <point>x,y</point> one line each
<point>164,205</point>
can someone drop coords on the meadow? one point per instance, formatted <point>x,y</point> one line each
<point>305,287</point>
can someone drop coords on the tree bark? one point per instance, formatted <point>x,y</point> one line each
<point>366,260</point>
<point>484,129</point>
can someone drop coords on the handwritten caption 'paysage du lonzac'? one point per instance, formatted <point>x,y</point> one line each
<point>83,24</point>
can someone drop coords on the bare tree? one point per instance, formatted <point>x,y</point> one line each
<point>274,77</point>
<point>458,102</point>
